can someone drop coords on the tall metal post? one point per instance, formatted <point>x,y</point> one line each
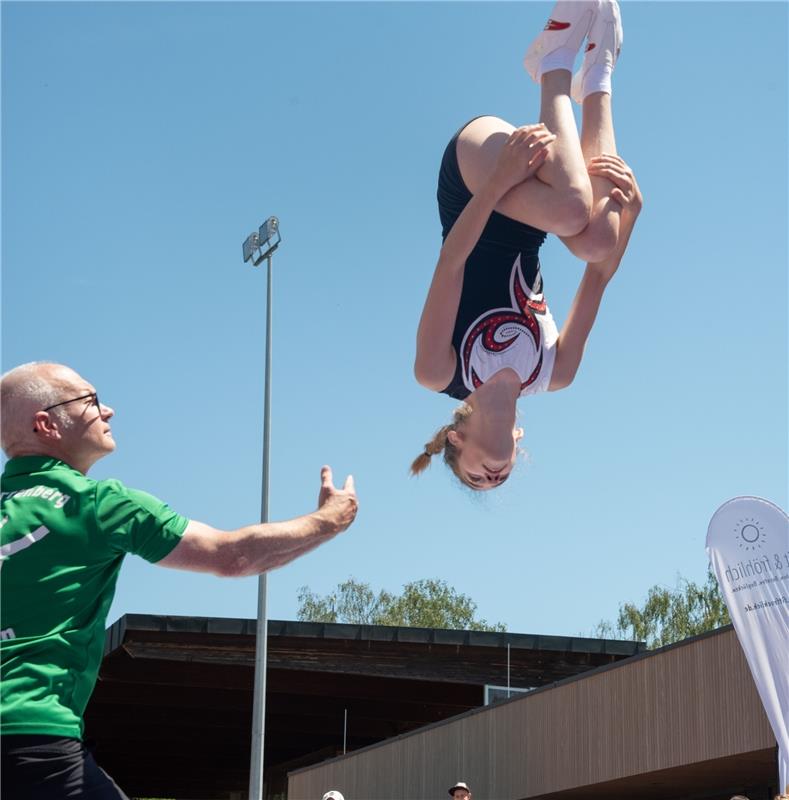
<point>259,246</point>
<point>261,637</point>
<point>508,670</point>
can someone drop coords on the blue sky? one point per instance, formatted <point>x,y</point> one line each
<point>142,142</point>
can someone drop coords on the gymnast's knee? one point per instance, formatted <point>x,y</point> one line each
<point>597,241</point>
<point>571,212</point>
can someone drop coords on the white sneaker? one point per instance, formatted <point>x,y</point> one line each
<point>559,42</point>
<point>605,42</point>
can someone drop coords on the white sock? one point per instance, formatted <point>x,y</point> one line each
<point>561,58</point>
<point>597,79</point>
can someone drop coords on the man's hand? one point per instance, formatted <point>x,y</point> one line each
<point>255,549</point>
<point>337,506</point>
<point>522,155</point>
<point>625,191</point>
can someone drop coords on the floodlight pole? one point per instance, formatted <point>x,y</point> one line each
<point>253,250</point>
<point>261,637</point>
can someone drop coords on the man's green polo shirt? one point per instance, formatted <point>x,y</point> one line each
<point>62,543</point>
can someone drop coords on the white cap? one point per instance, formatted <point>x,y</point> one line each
<point>333,795</point>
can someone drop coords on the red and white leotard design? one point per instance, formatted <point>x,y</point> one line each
<point>522,337</point>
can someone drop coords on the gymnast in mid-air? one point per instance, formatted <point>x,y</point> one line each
<point>486,335</point>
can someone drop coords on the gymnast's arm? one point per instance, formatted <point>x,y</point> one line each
<point>578,326</point>
<point>259,548</point>
<point>520,158</point>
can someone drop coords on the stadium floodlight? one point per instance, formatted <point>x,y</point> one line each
<point>260,245</point>
<point>250,246</point>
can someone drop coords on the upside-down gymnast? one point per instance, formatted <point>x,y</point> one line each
<point>486,335</point>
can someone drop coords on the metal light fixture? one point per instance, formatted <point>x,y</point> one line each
<point>262,243</point>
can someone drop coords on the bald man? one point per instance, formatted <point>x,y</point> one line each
<point>63,538</point>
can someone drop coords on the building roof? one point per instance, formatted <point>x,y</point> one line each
<point>231,626</point>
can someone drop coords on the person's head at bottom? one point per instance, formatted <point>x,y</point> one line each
<point>333,795</point>
<point>460,791</point>
<point>480,449</point>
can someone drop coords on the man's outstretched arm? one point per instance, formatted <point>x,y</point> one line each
<point>259,548</point>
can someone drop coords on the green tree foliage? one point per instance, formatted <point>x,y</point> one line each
<point>422,604</point>
<point>670,615</point>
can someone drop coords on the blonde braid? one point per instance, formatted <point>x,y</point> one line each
<point>440,442</point>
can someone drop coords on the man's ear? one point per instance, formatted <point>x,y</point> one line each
<point>46,426</point>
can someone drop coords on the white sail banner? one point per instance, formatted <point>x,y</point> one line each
<point>748,546</point>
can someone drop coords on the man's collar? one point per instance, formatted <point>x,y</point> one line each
<point>24,465</point>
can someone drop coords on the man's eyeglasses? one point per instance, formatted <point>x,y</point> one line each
<point>92,395</point>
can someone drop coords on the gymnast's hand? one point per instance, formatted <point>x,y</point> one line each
<point>628,195</point>
<point>523,154</point>
<point>625,191</point>
<point>337,506</point>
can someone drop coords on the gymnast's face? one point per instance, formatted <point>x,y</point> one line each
<point>481,466</point>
